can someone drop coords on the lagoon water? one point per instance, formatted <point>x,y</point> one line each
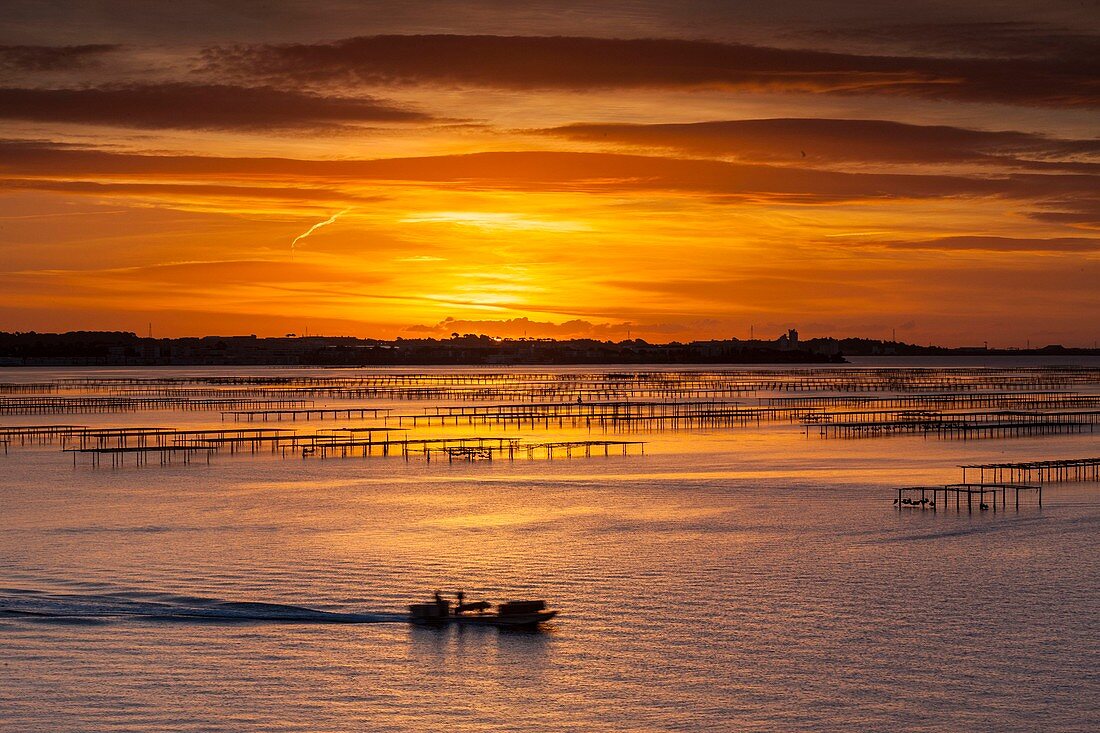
<point>748,579</point>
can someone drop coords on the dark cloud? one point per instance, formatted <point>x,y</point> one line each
<point>187,21</point>
<point>810,141</point>
<point>53,58</point>
<point>1082,213</point>
<point>195,106</point>
<point>997,39</point>
<point>529,62</point>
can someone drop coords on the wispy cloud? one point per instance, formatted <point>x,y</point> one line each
<point>999,244</point>
<point>421,258</point>
<point>545,171</point>
<point>495,220</point>
<point>332,219</point>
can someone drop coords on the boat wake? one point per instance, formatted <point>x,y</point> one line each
<point>38,605</point>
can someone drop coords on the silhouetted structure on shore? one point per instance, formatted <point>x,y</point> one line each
<point>112,348</point>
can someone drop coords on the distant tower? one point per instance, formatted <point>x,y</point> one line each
<point>792,338</point>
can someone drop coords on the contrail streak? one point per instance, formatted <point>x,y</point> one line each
<point>317,226</point>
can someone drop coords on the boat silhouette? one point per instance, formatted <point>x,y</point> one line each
<point>479,613</point>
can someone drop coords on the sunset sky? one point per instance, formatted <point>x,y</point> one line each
<point>675,170</point>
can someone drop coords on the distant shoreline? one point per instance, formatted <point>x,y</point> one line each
<point>121,349</point>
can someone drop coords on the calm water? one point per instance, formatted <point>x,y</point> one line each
<point>748,579</point>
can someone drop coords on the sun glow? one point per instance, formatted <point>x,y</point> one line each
<point>565,187</point>
<point>495,220</point>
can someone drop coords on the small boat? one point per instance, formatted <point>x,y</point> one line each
<point>514,614</point>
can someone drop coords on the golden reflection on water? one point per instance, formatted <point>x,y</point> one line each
<point>749,579</point>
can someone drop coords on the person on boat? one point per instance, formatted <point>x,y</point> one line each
<point>461,597</point>
<point>440,603</point>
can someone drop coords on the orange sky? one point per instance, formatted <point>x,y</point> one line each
<point>671,170</point>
